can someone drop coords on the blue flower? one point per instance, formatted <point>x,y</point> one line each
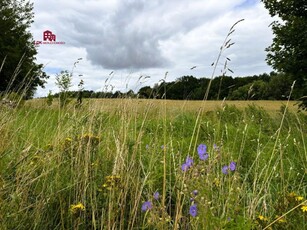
<point>188,163</point>
<point>184,167</point>
<point>232,166</point>
<point>202,149</point>
<point>225,169</point>
<point>193,210</point>
<point>202,152</point>
<point>203,157</point>
<point>147,205</point>
<point>156,195</point>
<point>195,192</point>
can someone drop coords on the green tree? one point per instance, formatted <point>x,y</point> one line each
<point>288,52</point>
<point>63,81</point>
<point>145,92</point>
<point>279,87</point>
<point>18,70</point>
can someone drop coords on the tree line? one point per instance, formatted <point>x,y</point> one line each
<point>272,86</point>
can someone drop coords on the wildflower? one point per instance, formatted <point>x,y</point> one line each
<point>202,152</point>
<point>104,185</point>
<point>184,167</point>
<point>188,163</point>
<point>281,220</point>
<point>111,182</point>
<point>202,149</point>
<point>216,182</point>
<point>232,166</point>
<point>147,205</point>
<point>156,195</point>
<point>299,198</point>
<point>304,208</point>
<point>74,208</point>
<point>204,157</point>
<point>193,210</point>
<point>195,192</point>
<point>225,169</point>
<point>262,218</point>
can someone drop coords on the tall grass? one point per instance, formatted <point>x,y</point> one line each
<point>152,166</point>
<point>110,163</point>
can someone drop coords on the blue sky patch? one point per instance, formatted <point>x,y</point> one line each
<point>52,70</point>
<point>247,4</point>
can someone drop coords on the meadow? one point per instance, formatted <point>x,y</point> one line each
<point>153,164</point>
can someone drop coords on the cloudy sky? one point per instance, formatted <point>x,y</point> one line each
<point>121,40</point>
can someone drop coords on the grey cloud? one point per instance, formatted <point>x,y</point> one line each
<point>129,37</point>
<point>116,41</point>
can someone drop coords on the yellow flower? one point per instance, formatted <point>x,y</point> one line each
<point>68,139</point>
<point>74,208</point>
<point>111,182</point>
<point>304,208</point>
<point>281,220</point>
<point>216,182</point>
<point>104,185</point>
<point>112,178</point>
<point>262,218</point>
<point>299,198</point>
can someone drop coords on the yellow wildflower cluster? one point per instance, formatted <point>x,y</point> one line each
<point>75,208</point>
<point>262,218</point>
<point>111,182</point>
<point>299,198</point>
<point>292,196</point>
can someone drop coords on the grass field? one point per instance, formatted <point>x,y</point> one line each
<point>153,164</point>
<point>177,105</point>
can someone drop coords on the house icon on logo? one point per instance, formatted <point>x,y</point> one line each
<point>48,35</point>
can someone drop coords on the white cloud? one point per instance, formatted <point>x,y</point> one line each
<point>135,37</point>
